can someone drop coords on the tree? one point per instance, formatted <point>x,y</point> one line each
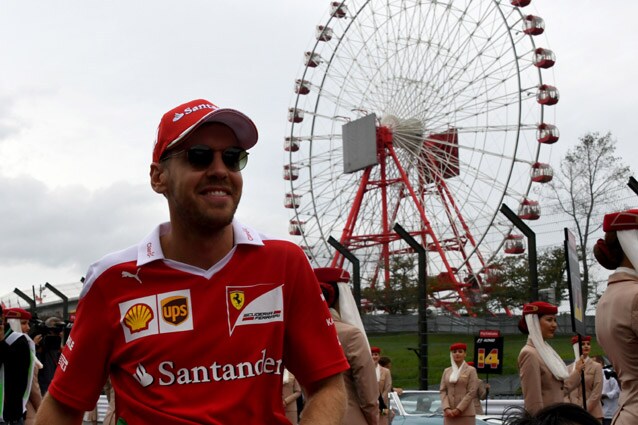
<point>589,175</point>
<point>402,293</point>
<point>512,288</point>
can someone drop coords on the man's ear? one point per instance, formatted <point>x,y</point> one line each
<point>158,174</point>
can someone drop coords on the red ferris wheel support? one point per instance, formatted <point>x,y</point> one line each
<point>438,161</point>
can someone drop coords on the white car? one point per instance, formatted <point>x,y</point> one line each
<point>424,407</point>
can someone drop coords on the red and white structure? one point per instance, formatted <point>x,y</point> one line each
<point>398,118</point>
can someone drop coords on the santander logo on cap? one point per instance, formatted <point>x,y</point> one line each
<point>190,110</point>
<point>177,123</point>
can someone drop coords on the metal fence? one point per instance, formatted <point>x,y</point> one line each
<point>383,323</point>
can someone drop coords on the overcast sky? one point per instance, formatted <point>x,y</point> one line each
<point>84,82</point>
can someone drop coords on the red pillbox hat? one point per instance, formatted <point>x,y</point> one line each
<point>583,338</point>
<point>458,346</point>
<point>17,313</point>
<point>332,274</point>
<point>539,308</point>
<point>622,220</point>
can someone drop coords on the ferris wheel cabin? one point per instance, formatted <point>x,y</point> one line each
<point>291,144</point>
<point>514,244</point>
<point>338,9</point>
<point>323,33</point>
<point>547,133</point>
<point>533,25</point>
<point>542,173</point>
<point>520,3</point>
<point>302,86</point>
<point>295,115</point>
<point>291,172</point>
<point>292,200</point>
<point>296,227</point>
<point>547,95</point>
<point>312,60</point>
<point>544,58</point>
<point>529,210</point>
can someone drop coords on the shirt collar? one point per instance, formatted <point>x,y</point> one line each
<point>150,249</point>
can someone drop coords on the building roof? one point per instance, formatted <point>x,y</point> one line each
<point>43,295</point>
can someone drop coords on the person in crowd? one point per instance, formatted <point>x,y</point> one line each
<point>459,384</point>
<point>49,350</point>
<point>610,391</point>
<point>196,321</point>
<point>384,378</point>
<point>290,392</point>
<point>544,376</point>
<point>16,370</point>
<point>386,362</point>
<point>553,414</point>
<point>593,374</point>
<point>482,391</point>
<point>423,405</point>
<point>360,379</point>
<point>109,416</point>
<point>18,320</point>
<point>617,309</point>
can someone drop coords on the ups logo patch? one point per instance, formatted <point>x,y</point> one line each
<point>175,309</point>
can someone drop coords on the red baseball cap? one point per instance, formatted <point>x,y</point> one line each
<point>182,120</point>
<point>458,346</point>
<point>539,308</point>
<point>17,313</point>
<point>376,350</point>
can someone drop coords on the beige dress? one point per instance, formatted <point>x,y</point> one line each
<point>459,395</point>
<point>109,417</point>
<point>593,389</point>
<point>361,379</point>
<point>617,333</point>
<point>481,394</point>
<point>385,386</point>
<point>540,387</point>
<point>290,392</point>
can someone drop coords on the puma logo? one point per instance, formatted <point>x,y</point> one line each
<point>134,276</point>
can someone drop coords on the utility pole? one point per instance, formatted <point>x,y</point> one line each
<point>356,272</point>
<point>423,320</point>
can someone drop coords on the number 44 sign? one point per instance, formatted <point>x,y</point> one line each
<point>488,352</point>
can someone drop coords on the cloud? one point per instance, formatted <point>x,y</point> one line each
<point>71,226</point>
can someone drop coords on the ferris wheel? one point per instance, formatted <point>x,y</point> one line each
<point>429,114</point>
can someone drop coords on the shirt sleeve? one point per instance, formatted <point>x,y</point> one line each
<point>363,373</point>
<point>470,393</point>
<point>311,349</point>
<point>529,371</point>
<point>445,400</point>
<point>593,398</point>
<point>82,369</point>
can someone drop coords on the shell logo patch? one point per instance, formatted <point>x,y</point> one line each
<point>156,314</point>
<point>254,305</point>
<point>138,317</point>
<point>237,299</point>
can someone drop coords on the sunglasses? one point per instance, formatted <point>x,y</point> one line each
<point>201,156</point>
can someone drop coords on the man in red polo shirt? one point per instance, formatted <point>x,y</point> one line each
<point>195,324</point>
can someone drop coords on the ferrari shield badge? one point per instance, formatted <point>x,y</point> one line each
<point>237,299</point>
